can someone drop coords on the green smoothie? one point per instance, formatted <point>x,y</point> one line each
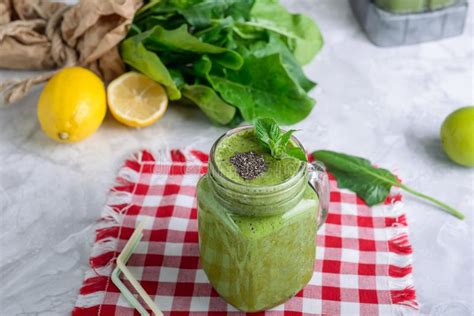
<point>413,6</point>
<point>256,261</point>
<point>277,170</point>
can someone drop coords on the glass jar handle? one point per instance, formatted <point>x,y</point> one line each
<point>318,179</point>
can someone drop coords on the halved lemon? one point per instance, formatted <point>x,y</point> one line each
<point>136,100</point>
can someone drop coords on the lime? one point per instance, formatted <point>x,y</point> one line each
<point>457,136</point>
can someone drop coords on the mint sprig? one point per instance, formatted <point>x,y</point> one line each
<point>275,141</point>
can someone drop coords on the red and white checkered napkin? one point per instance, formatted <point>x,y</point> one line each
<point>363,261</point>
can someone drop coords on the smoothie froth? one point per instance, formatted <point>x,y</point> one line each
<point>277,171</point>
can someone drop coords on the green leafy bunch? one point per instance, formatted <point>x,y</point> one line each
<point>235,59</point>
<point>275,141</point>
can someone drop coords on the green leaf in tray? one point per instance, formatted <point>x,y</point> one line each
<point>372,184</point>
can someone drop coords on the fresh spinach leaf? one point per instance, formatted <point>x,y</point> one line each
<point>301,34</point>
<point>218,33</point>
<point>371,183</point>
<point>236,120</point>
<point>274,45</point>
<point>249,52</point>
<point>258,94</point>
<point>202,67</point>
<point>145,7</point>
<point>135,54</point>
<point>179,40</point>
<point>202,13</point>
<point>209,102</point>
<point>177,77</point>
<point>357,174</point>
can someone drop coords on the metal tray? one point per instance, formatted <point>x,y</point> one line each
<point>389,29</point>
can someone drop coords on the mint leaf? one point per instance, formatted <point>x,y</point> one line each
<point>274,141</point>
<point>285,138</point>
<point>297,153</point>
<point>282,145</point>
<point>267,132</point>
<point>370,183</point>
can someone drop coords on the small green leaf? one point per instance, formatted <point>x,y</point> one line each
<point>274,130</point>
<point>267,131</point>
<point>297,152</point>
<point>285,138</point>
<point>273,140</point>
<point>282,143</point>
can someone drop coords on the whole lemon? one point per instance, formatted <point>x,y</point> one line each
<point>457,136</point>
<point>72,105</point>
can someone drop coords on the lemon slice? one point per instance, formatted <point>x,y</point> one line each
<point>136,100</point>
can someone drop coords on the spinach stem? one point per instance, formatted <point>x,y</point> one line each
<point>446,207</point>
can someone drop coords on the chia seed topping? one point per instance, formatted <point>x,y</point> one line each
<point>248,165</point>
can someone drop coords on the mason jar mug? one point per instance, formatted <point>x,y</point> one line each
<point>257,242</point>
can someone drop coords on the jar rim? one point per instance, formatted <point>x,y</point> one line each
<point>236,130</point>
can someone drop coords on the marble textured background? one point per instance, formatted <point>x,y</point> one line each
<point>383,104</point>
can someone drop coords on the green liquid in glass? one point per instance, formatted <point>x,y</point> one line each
<point>257,262</point>
<point>413,6</point>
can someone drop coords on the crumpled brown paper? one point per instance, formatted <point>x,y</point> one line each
<point>38,34</point>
